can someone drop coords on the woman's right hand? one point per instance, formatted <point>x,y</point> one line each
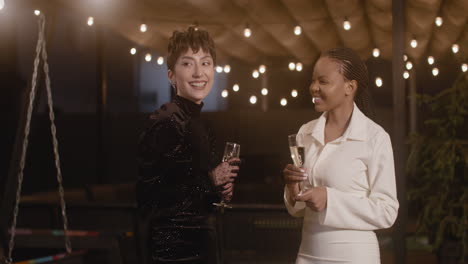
<point>292,176</point>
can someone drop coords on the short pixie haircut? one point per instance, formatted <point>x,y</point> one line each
<point>193,38</point>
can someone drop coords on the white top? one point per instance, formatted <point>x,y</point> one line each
<point>358,171</point>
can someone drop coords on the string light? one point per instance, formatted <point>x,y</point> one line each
<point>160,60</point>
<point>143,28</point>
<point>224,93</point>
<point>2,4</point>
<point>227,68</point>
<point>405,58</point>
<point>346,24</point>
<point>90,21</point>
<point>409,65</point>
<point>283,102</point>
<point>133,51</point>
<point>253,99</point>
<point>414,43</point>
<point>378,82</point>
<point>435,71</point>
<point>37,12</point>
<point>264,91</point>
<point>439,21</point>
<point>406,75</point>
<point>297,30</point>
<point>376,52</point>
<point>430,60</point>
<point>235,87</point>
<point>294,93</point>
<point>219,69</point>
<point>464,67</point>
<point>298,66</point>
<point>292,66</point>
<point>262,69</point>
<point>455,48</point>
<point>148,57</point>
<point>255,74</point>
<point>247,31</point>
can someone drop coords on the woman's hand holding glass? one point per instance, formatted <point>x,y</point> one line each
<point>293,177</point>
<point>224,175</point>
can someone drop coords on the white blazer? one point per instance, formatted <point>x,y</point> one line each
<point>358,171</point>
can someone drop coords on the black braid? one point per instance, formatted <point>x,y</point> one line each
<point>353,68</point>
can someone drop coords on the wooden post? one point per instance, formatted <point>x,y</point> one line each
<point>101,105</point>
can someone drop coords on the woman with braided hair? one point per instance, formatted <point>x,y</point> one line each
<point>347,180</point>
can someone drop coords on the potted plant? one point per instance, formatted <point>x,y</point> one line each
<point>438,165</point>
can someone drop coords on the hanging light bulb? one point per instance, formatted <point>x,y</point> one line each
<point>464,67</point>
<point>160,60</point>
<point>255,74</point>
<point>430,60</point>
<point>2,4</point>
<point>148,57</point>
<point>133,51</point>
<point>409,65</point>
<point>346,24</point>
<point>294,93</point>
<point>219,69</point>
<point>253,99</point>
<point>90,21</point>
<point>143,28</point>
<point>247,31</point>
<point>405,58</point>
<point>283,102</point>
<point>37,12</point>
<point>414,43</point>
<point>227,68</point>
<point>435,71</point>
<point>376,52</point>
<point>378,82</point>
<point>262,69</point>
<point>235,87</point>
<point>224,93</point>
<point>439,21</point>
<point>298,66</point>
<point>292,66</point>
<point>455,48</point>
<point>297,30</point>
<point>406,75</point>
<point>264,91</point>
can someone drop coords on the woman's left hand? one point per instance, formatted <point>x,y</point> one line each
<point>315,198</point>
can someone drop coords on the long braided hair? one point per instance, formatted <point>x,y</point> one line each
<point>353,68</point>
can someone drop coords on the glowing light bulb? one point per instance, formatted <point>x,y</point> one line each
<point>406,75</point>
<point>264,91</point>
<point>292,66</point>
<point>294,93</point>
<point>414,43</point>
<point>227,68</point>
<point>298,66</point>
<point>455,48</point>
<point>297,30</point>
<point>464,67</point>
<point>90,21</point>
<point>224,93</point>
<point>430,60</point>
<point>255,74</point>
<point>160,60</point>
<point>405,58</point>
<point>37,12</point>
<point>133,51</point>
<point>253,99</point>
<point>435,71</point>
<point>2,4</point>
<point>143,28</point>
<point>283,101</point>
<point>262,69</point>
<point>378,82</point>
<point>376,52</point>
<point>235,87</point>
<point>346,24</point>
<point>439,21</point>
<point>219,69</point>
<point>247,32</point>
<point>148,57</point>
<point>409,65</point>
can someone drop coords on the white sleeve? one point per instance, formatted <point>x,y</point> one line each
<point>298,209</point>
<point>378,210</point>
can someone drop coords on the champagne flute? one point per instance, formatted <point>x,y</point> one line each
<point>296,147</point>
<point>231,150</point>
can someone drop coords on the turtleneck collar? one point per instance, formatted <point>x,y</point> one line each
<point>188,106</point>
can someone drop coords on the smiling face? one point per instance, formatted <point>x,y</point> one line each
<point>193,75</point>
<point>329,88</point>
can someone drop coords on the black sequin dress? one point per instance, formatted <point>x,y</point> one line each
<point>176,152</point>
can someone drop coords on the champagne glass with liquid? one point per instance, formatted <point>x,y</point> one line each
<point>296,147</point>
<point>231,150</point>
